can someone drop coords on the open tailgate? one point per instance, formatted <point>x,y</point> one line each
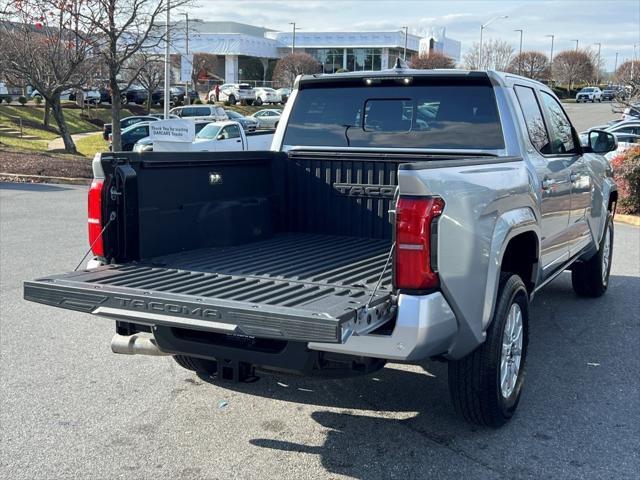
<point>261,307</point>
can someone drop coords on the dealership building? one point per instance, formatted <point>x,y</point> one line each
<point>249,53</point>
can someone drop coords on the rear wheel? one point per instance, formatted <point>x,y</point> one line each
<point>258,101</point>
<point>591,278</point>
<point>198,365</point>
<point>485,385</point>
<point>232,100</point>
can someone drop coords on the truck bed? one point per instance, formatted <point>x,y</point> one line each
<point>297,286</point>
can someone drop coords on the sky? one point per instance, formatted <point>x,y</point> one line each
<point>613,23</point>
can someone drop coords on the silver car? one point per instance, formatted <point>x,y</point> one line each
<point>268,118</point>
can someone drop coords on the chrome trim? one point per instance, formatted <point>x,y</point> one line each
<point>151,319</point>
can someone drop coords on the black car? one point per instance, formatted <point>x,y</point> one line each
<point>135,95</point>
<point>178,95</point>
<point>126,123</point>
<point>131,135</point>
<point>611,93</point>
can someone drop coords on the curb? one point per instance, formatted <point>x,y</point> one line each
<point>20,178</point>
<point>628,219</point>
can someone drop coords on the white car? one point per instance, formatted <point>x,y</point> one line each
<point>589,94</point>
<point>234,93</point>
<point>268,118</point>
<point>631,113</point>
<point>200,112</point>
<point>267,95</point>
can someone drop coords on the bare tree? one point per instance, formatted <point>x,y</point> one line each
<point>147,69</point>
<point>531,64</point>
<point>122,29</point>
<point>42,45</point>
<point>292,65</point>
<point>572,66</point>
<point>496,55</point>
<point>628,77</point>
<point>432,60</point>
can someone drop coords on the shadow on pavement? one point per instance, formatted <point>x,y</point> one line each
<point>32,187</point>
<point>399,422</point>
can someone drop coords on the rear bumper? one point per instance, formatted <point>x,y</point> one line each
<point>425,326</point>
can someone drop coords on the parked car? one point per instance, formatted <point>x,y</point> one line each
<point>612,93</point>
<point>131,135</point>
<point>249,124</point>
<point>229,136</point>
<point>126,122</point>
<point>343,248</point>
<point>589,94</point>
<point>65,95</point>
<point>178,94</point>
<point>284,93</point>
<point>4,93</point>
<point>267,118</point>
<point>200,112</point>
<point>134,94</point>
<point>234,93</point>
<point>146,144</point>
<point>267,95</point>
<point>625,141</point>
<point>631,113</point>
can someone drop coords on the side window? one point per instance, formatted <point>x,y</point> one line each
<point>559,128</point>
<point>202,111</point>
<point>233,131</point>
<point>187,112</point>
<point>534,119</point>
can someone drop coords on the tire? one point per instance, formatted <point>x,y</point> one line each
<point>591,278</point>
<point>198,365</point>
<point>232,100</point>
<point>475,380</point>
<point>258,101</point>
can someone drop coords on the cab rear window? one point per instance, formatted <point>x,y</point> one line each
<point>418,116</point>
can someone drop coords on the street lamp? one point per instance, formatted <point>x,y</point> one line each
<point>520,52</point>
<point>576,40</point>
<point>293,41</point>
<point>598,64</point>
<point>188,83</point>
<point>406,34</point>
<point>615,66</point>
<point>482,27</point>
<point>551,58</point>
<point>167,62</point>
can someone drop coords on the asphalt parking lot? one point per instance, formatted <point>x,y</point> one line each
<point>72,409</point>
<point>587,115</point>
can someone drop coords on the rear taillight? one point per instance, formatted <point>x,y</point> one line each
<point>95,217</point>
<point>415,220</point>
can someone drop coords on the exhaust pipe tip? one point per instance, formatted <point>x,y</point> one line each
<point>141,343</point>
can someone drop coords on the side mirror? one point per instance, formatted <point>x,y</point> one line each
<point>220,137</point>
<point>600,141</point>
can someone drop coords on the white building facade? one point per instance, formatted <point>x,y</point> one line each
<point>248,53</point>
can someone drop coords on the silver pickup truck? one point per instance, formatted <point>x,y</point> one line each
<point>401,215</point>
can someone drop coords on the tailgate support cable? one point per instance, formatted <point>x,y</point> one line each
<point>112,217</point>
<point>381,276</point>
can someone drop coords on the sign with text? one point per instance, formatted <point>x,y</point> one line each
<point>186,67</point>
<point>174,130</point>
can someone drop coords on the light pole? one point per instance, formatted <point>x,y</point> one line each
<point>615,65</point>
<point>482,27</point>
<point>598,64</point>
<point>186,94</point>
<point>576,44</point>
<point>167,63</point>
<point>520,52</point>
<point>551,58</point>
<point>406,34</point>
<point>293,40</point>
